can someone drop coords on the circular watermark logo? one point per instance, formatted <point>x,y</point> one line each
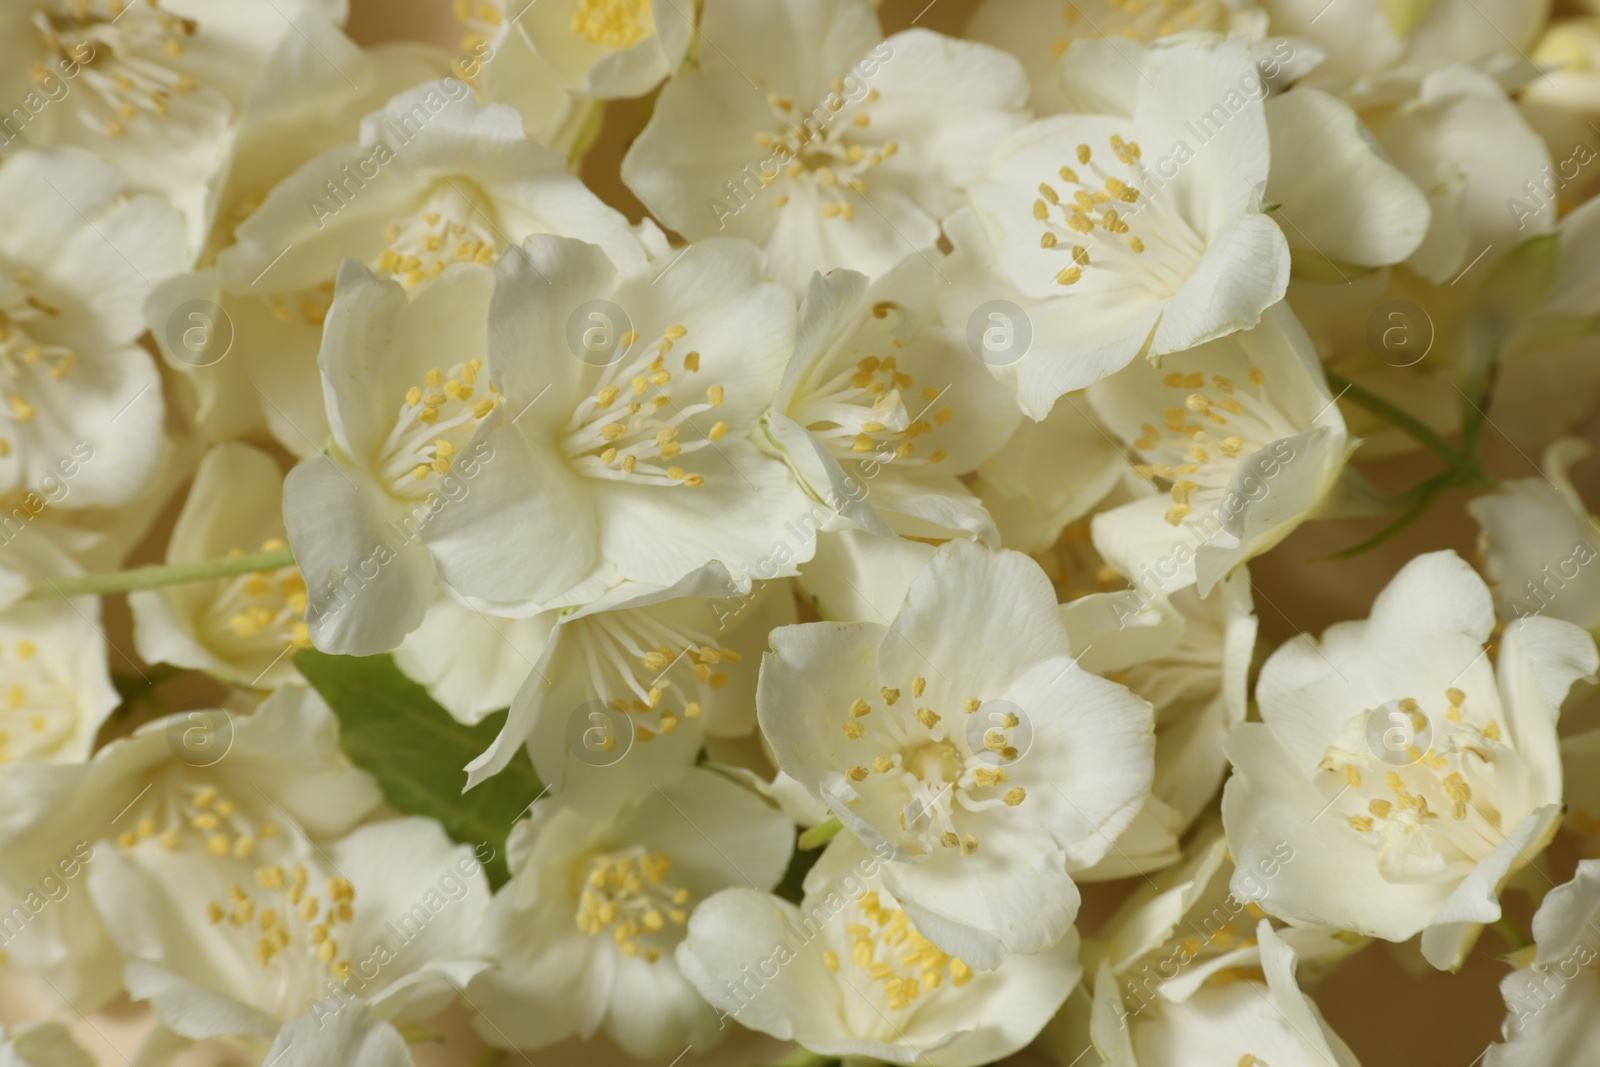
<point>600,333</point>
<point>199,333</point>
<point>200,738</point>
<point>1400,333</point>
<point>999,333</point>
<point>999,733</point>
<point>1399,733</point>
<point>599,734</point>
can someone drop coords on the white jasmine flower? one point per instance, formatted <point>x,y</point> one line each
<point>309,99</point>
<point>981,754</point>
<point>1245,438</point>
<point>629,687</point>
<point>55,681</point>
<point>182,798</point>
<point>865,143</point>
<point>407,390</point>
<point>1185,964</point>
<point>78,255</point>
<point>583,935</point>
<point>882,406</point>
<point>597,48</point>
<point>243,629</point>
<point>1553,998</point>
<point>633,461</point>
<point>1411,774</point>
<point>434,179</point>
<point>1141,230</point>
<point>472,662</point>
<point>1538,541</point>
<point>848,973</point>
<point>151,87</point>
<point>1039,32</point>
<point>1441,137</point>
<point>238,945</point>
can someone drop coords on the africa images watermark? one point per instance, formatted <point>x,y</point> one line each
<point>53,489</point>
<point>50,87</point>
<point>52,888</point>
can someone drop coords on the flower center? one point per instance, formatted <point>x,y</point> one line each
<point>481,21</point>
<point>1141,20</point>
<point>931,763</point>
<point>631,428</point>
<point>1198,448</point>
<point>887,959</point>
<point>435,420</point>
<point>126,50</point>
<point>38,708</point>
<point>1075,568</point>
<point>260,612</point>
<point>444,231</point>
<point>627,894</point>
<point>613,24</point>
<point>1091,225</point>
<point>829,155</point>
<point>1413,802</point>
<point>862,411</point>
<point>680,669</point>
<point>26,363</point>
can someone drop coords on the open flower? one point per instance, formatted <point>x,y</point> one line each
<point>582,937</point>
<point>243,629</point>
<point>823,142</point>
<point>1411,774</point>
<point>882,407</point>
<point>150,86</point>
<point>632,400</point>
<point>1242,434</point>
<point>434,179</point>
<point>848,973</point>
<point>76,256</point>
<point>597,48</point>
<point>1146,230</point>
<point>1187,965</point>
<point>629,687</point>
<point>977,751</point>
<point>183,795</point>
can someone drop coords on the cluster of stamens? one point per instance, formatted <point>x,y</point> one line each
<point>290,916</point>
<point>631,428</point>
<point>628,894</point>
<point>436,418</point>
<point>265,609</point>
<point>894,956</point>
<point>1089,224</point>
<point>615,24</point>
<point>443,233</point>
<point>861,413</point>
<point>21,355</point>
<point>39,710</point>
<point>116,41</point>
<point>1201,441</point>
<point>834,157</point>
<point>1139,20</point>
<point>481,20</point>
<point>208,817</point>
<point>1434,789</point>
<point>680,670</point>
<point>935,770</point>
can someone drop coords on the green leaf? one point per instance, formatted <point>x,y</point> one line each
<point>392,729</point>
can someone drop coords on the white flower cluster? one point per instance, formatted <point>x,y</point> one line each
<point>815,619</point>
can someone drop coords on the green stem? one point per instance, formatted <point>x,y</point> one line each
<point>1395,416</point>
<point>155,576</point>
<point>820,834</point>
